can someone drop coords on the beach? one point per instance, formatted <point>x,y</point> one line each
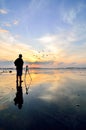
<point>55,99</point>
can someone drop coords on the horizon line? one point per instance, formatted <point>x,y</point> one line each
<point>45,68</point>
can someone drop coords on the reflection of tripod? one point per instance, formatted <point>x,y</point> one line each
<point>19,96</point>
<point>27,86</point>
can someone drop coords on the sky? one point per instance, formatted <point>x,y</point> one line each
<point>48,33</point>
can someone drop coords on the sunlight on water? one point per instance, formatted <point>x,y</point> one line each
<point>57,95</point>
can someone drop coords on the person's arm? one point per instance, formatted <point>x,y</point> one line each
<point>22,62</point>
<point>15,62</point>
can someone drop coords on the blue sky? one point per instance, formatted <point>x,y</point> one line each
<point>44,31</point>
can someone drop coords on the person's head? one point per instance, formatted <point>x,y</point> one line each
<point>20,55</point>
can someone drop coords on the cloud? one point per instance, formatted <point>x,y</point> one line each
<point>60,50</point>
<point>3,11</point>
<point>32,9</point>
<point>42,62</point>
<point>3,30</point>
<point>70,15</point>
<point>15,22</point>
<point>10,24</point>
<point>47,39</point>
<point>7,24</point>
<point>10,47</point>
<point>68,46</point>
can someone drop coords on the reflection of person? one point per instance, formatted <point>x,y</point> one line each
<point>19,66</point>
<point>19,97</point>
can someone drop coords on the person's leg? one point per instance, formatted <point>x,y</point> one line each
<point>20,75</point>
<point>17,75</point>
<point>17,78</point>
<point>20,78</point>
<point>16,84</point>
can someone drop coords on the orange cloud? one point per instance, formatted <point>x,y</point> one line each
<point>3,31</point>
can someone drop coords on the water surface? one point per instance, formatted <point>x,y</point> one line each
<point>53,100</point>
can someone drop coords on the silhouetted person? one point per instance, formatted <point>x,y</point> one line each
<point>19,97</point>
<point>19,67</point>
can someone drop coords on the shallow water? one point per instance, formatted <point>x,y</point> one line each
<point>53,100</point>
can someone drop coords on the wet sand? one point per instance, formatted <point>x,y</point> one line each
<point>53,100</point>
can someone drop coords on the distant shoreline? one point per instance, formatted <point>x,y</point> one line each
<point>46,68</point>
